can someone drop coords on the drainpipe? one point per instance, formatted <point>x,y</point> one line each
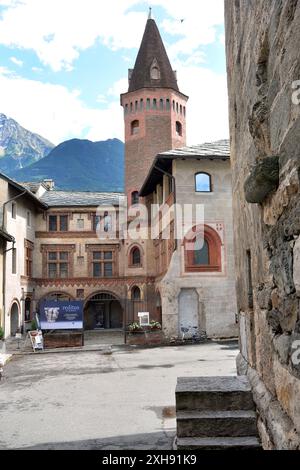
<point>4,253</point>
<point>174,190</point>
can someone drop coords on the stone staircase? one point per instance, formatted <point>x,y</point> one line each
<point>215,413</point>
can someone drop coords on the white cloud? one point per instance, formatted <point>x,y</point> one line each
<point>55,112</point>
<point>16,61</point>
<point>207,108</point>
<point>63,28</point>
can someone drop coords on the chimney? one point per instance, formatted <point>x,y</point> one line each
<point>49,183</point>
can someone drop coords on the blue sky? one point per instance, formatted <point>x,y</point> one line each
<point>63,63</point>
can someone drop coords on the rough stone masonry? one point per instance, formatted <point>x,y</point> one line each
<point>263,64</point>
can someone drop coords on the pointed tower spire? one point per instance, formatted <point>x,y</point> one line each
<point>152,67</point>
<point>150,14</point>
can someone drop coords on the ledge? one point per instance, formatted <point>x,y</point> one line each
<point>263,179</point>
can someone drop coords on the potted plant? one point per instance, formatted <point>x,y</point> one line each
<point>135,328</point>
<point>155,325</point>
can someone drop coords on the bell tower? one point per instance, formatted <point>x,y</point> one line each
<point>154,110</point>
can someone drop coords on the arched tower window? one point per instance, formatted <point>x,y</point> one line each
<point>161,104</point>
<point>154,103</point>
<point>135,256</point>
<point>148,103</point>
<point>178,128</point>
<point>135,127</point>
<point>134,198</point>
<point>203,183</point>
<point>168,105</point>
<point>154,70</point>
<point>136,293</point>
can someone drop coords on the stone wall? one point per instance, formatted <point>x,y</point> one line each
<point>263,64</point>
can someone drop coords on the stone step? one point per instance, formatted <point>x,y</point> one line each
<point>213,394</point>
<point>218,443</point>
<point>216,423</point>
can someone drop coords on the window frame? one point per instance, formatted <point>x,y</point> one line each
<point>210,182</point>
<point>58,223</point>
<point>214,251</point>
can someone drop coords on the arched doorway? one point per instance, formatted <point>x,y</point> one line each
<point>14,319</point>
<point>103,311</point>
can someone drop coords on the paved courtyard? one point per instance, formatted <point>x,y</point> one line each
<point>120,398</point>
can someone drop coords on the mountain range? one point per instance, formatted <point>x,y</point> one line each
<point>19,147</point>
<point>75,164</point>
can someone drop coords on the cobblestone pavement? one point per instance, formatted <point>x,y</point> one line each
<point>118,399</point>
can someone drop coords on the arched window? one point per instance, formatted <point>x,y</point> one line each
<point>154,103</point>
<point>136,293</point>
<point>178,128</point>
<point>134,198</point>
<point>203,251</point>
<point>135,257</point>
<point>181,109</point>
<point>131,107</point>
<point>135,127</point>
<point>173,105</point>
<point>136,106</point>
<point>177,108</point>
<point>161,104</point>
<point>155,73</point>
<point>141,104</point>
<point>148,103</point>
<point>168,105</point>
<point>126,108</point>
<point>203,183</point>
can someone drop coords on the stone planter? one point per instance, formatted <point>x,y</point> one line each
<point>147,337</point>
<point>136,338</point>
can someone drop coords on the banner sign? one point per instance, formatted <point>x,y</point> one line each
<point>61,315</point>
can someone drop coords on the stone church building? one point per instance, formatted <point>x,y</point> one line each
<point>77,246</point>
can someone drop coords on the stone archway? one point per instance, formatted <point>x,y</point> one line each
<point>103,311</point>
<point>14,318</point>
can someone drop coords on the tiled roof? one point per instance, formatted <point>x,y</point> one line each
<point>152,48</point>
<point>219,150</point>
<point>32,186</point>
<point>70,198</point>
<point>215,150</point>
<point>23,189</point>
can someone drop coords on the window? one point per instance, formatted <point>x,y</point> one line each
<point>249,280</point>
<point>96,222</point>
<point>136,293</point>
<point>58,223</point>
<point>131,107</point>
<point>173,103</point>
<point>161,104</point>
<point>178,128</point>
<point>28,218</point>
<point>27,309</point>
<point>180,109</point>
<point>141,104</point>
<point>154,103</point>
<point>14,210</point>
<point>58,264</point>
<point>135,127</point>
<point>134,198</point>
<point>126,108</point>
<point>107,222</point>
<point>28,260</point>
<point>14,261</point>
<point>203,254</point>
<point>80,224</point>
<point>168,105</point>
<point>155,73</point>
<point>136,106</point>
<point>102,263</point>
<point>184,111</point>
<point>203,183</point>
<point>135,257</point>
<point>148,103</point>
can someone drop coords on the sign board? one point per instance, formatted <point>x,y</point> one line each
<point>61,315</point>
<point>144,318</point>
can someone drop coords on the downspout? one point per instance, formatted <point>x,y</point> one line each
<point>4,252</point>
<point>174,191</point>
